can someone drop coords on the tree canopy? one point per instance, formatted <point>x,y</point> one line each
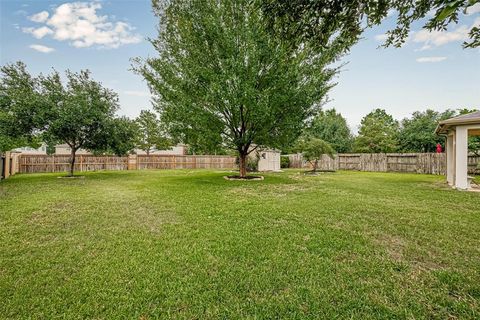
<point>150,135</point>
<point>340,23</point>
<point>417,133</point>
<point>22,113</point>
<point>81,112</point>
<point>332,127</point>
<point>121,137</point>
<point>222,79</point>
<point>378,133</point>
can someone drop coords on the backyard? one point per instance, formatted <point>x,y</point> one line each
<point>189,244</point>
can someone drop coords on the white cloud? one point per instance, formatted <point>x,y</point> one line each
<point>137,93</point>
<point>38,33</point>
<point>79,24</point>
<point>40,48</point>
<point>473,9</point>
<point>431,59</point>
<point>39,17</point>
<point>440,38</point>
<point>424,47</point>
<point>381,37</point>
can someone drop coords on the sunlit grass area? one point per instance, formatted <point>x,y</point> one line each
<point>189,244</point>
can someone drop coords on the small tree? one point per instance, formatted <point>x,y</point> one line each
<point>80,113</point>
<point>150,134</point>
<point>313,149</point>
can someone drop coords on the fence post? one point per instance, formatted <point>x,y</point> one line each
<point>15,163</point>
<point>7,164</point>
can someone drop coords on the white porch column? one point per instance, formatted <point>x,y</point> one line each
<point>461,157</point>
<point>450,159</point>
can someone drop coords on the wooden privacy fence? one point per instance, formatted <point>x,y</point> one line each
<point>56,163</point>
<point>428,163</point>
<point>44,163</point>
<point>185,162</point>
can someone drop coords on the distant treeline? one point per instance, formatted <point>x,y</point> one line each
<point>380,132</point>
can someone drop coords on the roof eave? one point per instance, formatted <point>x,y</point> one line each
<point>441,130</point>
<point>459,122</point>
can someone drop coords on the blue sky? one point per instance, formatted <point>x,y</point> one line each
<point>430,71</point>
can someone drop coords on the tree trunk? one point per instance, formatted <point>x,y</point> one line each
<point>243,165</point>
<point>72,162</point>
<point>148,152</point>
<point>315,165</point>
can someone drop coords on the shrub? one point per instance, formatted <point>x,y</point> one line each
<point>252,163</point>
<point>284,162</point>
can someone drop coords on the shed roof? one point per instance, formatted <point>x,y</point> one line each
<point>465,119</point>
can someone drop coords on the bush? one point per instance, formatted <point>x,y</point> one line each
<point>252,163</point>
<point>284,162</point>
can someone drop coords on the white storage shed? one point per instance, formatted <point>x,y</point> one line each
<point>268,160</point>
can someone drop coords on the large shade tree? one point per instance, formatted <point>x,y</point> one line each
<point>321,22</point>
<point>81,112</point>
<point>378,133</point>
<point>222,78</point>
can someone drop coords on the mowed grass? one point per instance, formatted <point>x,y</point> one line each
<point>191,245</point>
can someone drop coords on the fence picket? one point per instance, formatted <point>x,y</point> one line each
<point>429,163</point>
<point>44,163</point>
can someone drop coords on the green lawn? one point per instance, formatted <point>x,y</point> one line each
<point>191,245</point>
